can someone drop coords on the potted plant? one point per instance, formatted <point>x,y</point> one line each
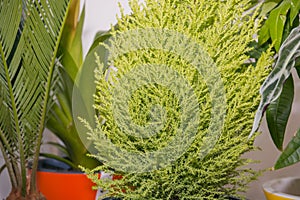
<point>30,33</point>
<point>174,100</point>
<point>278,89</point>
<point>59,177</point>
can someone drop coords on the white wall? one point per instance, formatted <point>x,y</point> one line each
<point>99,15</point>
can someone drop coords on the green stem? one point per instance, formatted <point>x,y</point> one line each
<point>16,169</point>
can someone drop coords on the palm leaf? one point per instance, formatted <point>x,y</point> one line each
<point>9,38</point>
<point>27,74</point>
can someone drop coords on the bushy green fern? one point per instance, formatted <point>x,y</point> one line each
<point>223,31</point>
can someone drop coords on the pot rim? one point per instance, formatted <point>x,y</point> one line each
<point>267,187</point>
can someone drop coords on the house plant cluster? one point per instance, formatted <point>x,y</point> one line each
<point>41,56</point>
<point>133,92</point>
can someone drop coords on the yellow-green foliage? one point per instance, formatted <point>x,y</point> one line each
<point>224,32</point>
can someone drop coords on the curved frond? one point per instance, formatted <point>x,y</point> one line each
<point>29,39</point>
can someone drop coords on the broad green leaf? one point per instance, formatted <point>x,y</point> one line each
<point>264,33</point>
<point>291,154</point>
<point>76,49</point>
<point>268,6</point>
<point>69,64</point>
<point>278,112</point>
<point>272,86</point>
<point>295,9</point>
<point>85,87</point>
<point>69,30</point>
<point>100,37</point>
<point>277,21</point>
<point>70,48</point>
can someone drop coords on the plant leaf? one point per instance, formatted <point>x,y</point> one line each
<point>264,33</point>
<point>268,6</point>
<point>59,158</point>
<point>277,21</point>
<point>27,67</point>
<point>295,9</point>
<point>60,147</point>
<point>291,154</point>
<point>71,45</point>
<point>278,112</point>
<point>100,37</point>
<point>272,86</point>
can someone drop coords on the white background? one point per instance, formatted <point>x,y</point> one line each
<point>100,14</point>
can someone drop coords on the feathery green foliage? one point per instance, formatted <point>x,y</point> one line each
<point>29,36</point>
<point>224,32</point>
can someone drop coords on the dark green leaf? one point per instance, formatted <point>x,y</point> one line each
<point>272,86</point>
<point>291,154</point>
<point>278,112</point>
<point>264,33</point>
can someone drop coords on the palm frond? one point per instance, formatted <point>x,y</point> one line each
<point>27,68</point>
<point>9,38</point>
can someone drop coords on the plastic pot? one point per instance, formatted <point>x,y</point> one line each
<point>282,189</point>
<point>57,181</point>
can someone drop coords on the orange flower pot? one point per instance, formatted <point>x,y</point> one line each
<point>56,182</point>
<point>64,186</point>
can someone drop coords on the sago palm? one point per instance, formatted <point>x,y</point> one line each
<point>30,33</point>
